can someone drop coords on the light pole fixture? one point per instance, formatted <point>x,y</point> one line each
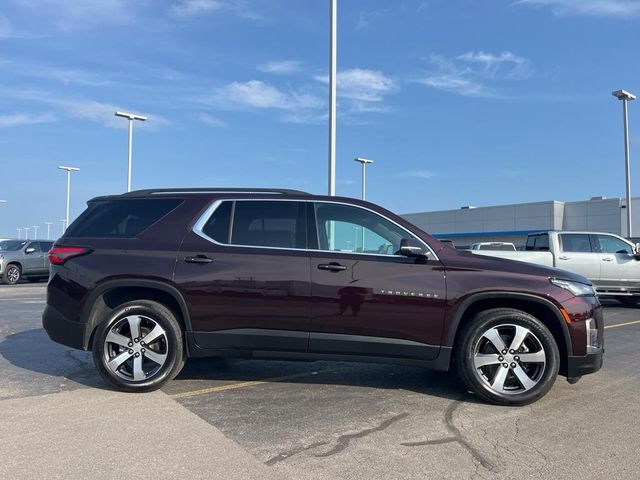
<point>364,162</point>
<point>3,201</point>
<point>68,170</point>
<point>35,231</point>
<point>333,46</point>
<point>626,97</point>
<point>48,224</point>
<point>26,233</point>
<point>131,117</point>
<point>19,233</point>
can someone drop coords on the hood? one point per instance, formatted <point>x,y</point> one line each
<point>457,259</point>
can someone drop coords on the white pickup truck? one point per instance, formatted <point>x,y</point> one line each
<point>609,261</point>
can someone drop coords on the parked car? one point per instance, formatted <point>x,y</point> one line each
<point>498,246</point>
<point>610,262</point>
<point>149,278</point>
<point>24,259</point>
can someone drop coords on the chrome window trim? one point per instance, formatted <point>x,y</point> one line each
<point>204,218</point>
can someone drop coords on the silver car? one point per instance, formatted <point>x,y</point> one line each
<point>24,259</point>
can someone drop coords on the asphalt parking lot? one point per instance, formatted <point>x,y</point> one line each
<point>304,420</point>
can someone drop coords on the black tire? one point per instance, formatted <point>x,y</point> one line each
<point>628,301</point>
<point>170,346</point>
<point>490,382</point>
<point>12,274</point>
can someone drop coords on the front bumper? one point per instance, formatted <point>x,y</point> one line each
<point>62,330</point>
<point>583,365</point>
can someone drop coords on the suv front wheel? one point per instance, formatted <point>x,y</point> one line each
<point>507,357</point>
<point>139,347</point>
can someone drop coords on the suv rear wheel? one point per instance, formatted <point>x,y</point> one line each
<point>139,347</point>
<point>507,357</point>
<point>12,274</point>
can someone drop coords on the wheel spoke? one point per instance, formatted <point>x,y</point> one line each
<point>518,338</point>
<point>134,326</point>
<point>537,357</point>
<point>484,359</point>
<point>113,337</point>
<point>158,358</point>
<point>494,337</point>
<point>153,335</point>
<point>524,379</point>
<point>138,374</point>
<point>115,362</point>
<point>499,379</point>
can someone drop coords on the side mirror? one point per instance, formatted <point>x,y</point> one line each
<point>410,247</point>
<point>29,250</point>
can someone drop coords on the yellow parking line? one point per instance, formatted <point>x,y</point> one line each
<point>233,386</point>
<point>622,324</point>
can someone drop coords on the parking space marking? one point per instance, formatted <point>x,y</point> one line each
<point>635,322</point>
<point>233,386</point>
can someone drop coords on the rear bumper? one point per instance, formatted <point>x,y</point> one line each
<point>583,365</point>
<point>62,330</point>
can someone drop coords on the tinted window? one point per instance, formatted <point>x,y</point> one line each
<point>120,218</point>
<point>538,242</point>
<point>609,244</point>
<point>343,228</point>
<point>46,246</point>
<point>572,242</point>
<point>35,246</point>
<point>11,245</point>
<point>503,248</point>
<point>218,225</point>
<point>269,224</point>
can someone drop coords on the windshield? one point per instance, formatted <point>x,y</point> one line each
<point>11,245</point>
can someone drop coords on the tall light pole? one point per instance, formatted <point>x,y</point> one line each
<point>131,117</point>
<point>26,233</point>
<point>625,97</point>
<point>48,224</point>
<point>68,170</point>
<point>333,39</point>
<point>35,231</point>
<point>64,225</point>
<point>364,162</point>
<point>19,233</point>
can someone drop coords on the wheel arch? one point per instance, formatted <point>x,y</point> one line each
<point>541,308</point>
<point>112,293</point>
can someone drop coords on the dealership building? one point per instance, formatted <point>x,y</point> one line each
<point>512,223</point>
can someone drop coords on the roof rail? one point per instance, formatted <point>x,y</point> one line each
<point>170,191</point>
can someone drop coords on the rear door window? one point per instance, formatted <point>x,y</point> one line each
<point>279,224</point>
<point>120,218</point>
<point>218,227</point>
<point>575,242</point>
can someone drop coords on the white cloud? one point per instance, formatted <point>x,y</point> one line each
<point>363,89</point>
<point>611,8</point>
<point>476,74</point>
<point>367,17</point>
<point>260,95</point>
<point>281,67</point>
<point>188,8</point>
<point>69,15</point>
<point>422,174</point>
<point>18,119</point>
<point>213,121</point>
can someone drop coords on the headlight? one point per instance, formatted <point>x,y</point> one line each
<point>576,288</point>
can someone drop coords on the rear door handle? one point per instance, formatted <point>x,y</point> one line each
<point>607,259</point>
<point>198,259</point>
<point>563,258</point>
<point>332,267</point>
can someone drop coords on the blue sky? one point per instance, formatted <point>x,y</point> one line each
<point>458,102</point>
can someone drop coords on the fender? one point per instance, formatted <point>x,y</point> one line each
<point>90,303</point>
<point>467,302</point>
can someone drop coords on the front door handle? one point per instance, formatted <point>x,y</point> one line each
<point>198,259</point>
<point>607,259</point>
<point>332,267</point>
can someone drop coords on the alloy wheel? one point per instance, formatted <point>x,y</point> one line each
<point>13,274</point>
<point>509,359</point>
<point>135,348</point>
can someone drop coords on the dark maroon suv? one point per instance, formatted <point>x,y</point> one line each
<point>149,278</point>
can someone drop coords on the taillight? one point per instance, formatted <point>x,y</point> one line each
<point>59,255</point>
